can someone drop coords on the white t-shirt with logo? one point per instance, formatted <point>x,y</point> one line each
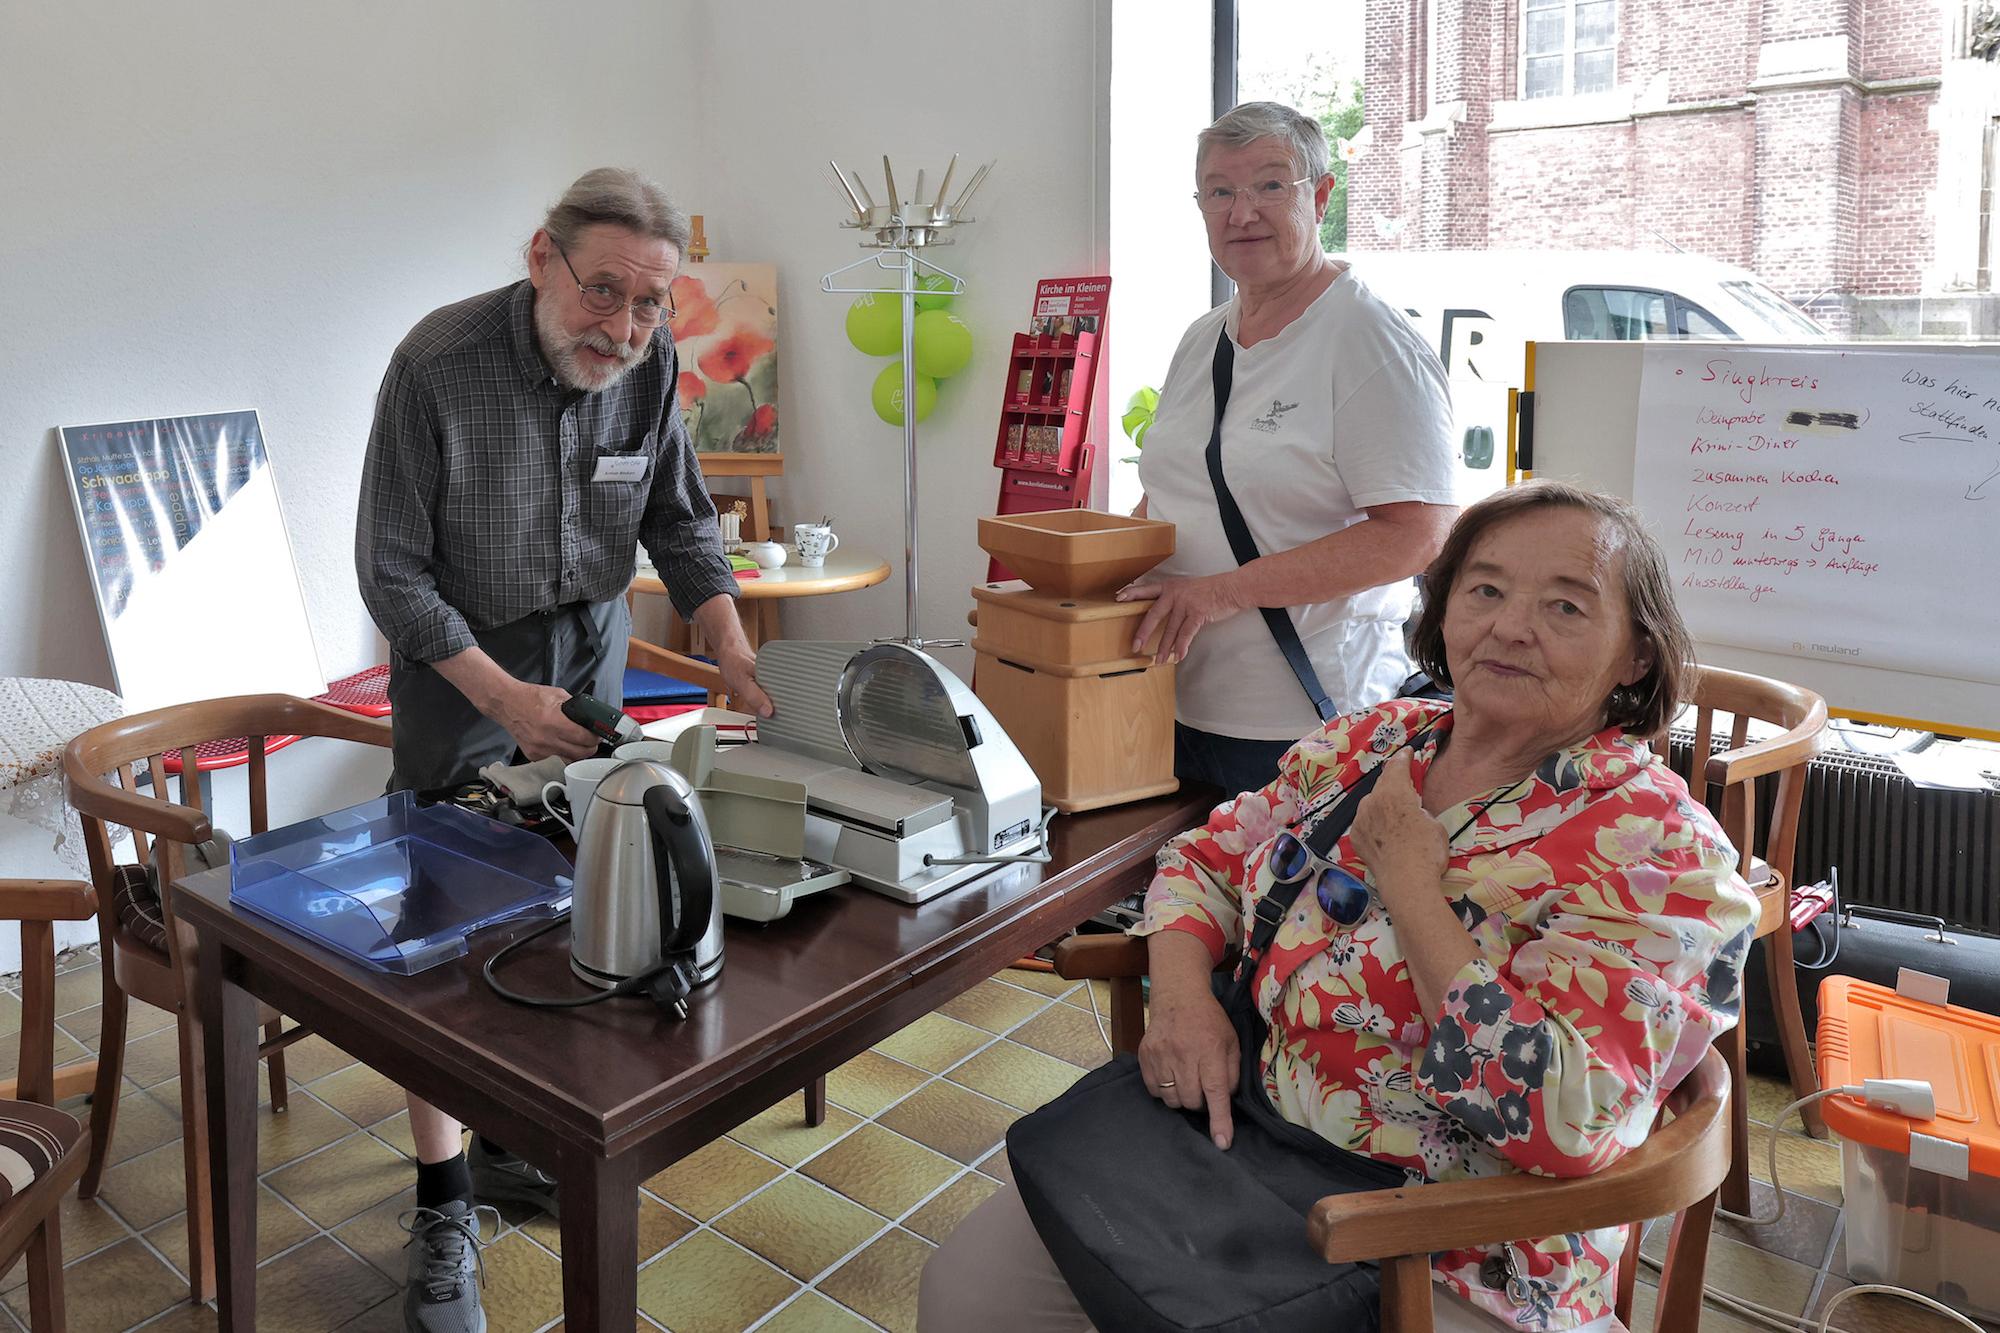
<point>1347,407</point>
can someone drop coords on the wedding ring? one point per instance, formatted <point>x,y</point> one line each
<point>1166,1083</point>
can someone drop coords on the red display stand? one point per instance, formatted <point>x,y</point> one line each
<point>1044,451</point>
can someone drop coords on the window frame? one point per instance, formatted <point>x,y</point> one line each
<point>1569,52</point>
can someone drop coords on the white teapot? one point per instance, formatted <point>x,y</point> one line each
<point>768,555</point>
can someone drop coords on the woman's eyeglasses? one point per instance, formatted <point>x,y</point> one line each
<point>1261,195</point>
<point>1341,896</point>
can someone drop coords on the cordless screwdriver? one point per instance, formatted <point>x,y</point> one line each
<point>611,726</point>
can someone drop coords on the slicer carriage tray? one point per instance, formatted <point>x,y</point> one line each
<point>846,794</point>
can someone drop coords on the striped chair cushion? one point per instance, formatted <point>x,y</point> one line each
<point>136,891</point>
<point>32,1139</point>
<point>139,908</point>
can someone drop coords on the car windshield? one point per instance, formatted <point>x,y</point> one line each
<point>1777,311</point>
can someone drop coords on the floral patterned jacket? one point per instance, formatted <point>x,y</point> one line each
<point>1612,928</point>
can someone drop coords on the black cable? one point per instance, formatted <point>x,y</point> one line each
<point>642,984</point>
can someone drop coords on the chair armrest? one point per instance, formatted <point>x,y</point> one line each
<point>1102,957</point>
<point>652,657</point>
<point>1683,1161</point>
<point>46,900</point>
<point>91,795</point>
<point>1775,754</point>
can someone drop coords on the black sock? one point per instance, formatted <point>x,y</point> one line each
<point>489,1147</point>
<point>439,1183</point>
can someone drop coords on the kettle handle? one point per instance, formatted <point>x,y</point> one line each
<point>680,842</point>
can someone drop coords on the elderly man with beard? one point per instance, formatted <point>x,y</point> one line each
<point>525,441</point>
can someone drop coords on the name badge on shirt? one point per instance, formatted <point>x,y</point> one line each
<point>620,467</point>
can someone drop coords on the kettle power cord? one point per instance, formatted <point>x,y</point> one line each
<point>667,985</point>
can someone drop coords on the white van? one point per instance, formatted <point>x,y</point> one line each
<point>1479,309</point>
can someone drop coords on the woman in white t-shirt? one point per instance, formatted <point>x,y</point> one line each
<point>1335,443</point>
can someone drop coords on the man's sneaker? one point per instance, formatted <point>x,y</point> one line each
<point>445,1268</point>
<point>505,1178</point>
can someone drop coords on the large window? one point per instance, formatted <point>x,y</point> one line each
<point>1568,46</point>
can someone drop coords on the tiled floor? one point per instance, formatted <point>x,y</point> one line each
<point>775,1227</point>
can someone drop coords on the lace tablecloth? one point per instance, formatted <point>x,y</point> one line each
<point>37,719</point>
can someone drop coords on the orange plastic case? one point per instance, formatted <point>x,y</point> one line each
<point>1922,1197</point>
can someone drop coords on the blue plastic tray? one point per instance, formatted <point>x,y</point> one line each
<point>395,886</point>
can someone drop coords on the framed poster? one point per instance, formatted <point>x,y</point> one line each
<point>725,327</point>
<point>189,559</point>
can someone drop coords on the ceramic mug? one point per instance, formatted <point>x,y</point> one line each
<point>816,542</point>
<point>580,779</point>
<point>768,555</point>
<point>658,751</point>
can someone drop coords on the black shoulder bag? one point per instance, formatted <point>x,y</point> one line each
<point>1244,547</point>
<point>1156,1229</point>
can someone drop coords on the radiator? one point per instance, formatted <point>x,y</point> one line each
<point>1897,844</point>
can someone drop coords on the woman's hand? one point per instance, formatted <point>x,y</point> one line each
<point>1182,608</point>
<point>1407,854</point>
<point>1401,843</point>
<point>1189,1057</point>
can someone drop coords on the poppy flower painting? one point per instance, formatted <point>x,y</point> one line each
<point>725,330</point>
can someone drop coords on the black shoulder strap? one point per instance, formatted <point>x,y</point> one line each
<point>1244,546</point>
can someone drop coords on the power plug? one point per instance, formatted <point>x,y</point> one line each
<point>1910,1097</point>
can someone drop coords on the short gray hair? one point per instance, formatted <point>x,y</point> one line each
<point>1251,121</point>
<point>620,198</point>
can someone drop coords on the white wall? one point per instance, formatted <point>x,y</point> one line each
<point>782,86</point>
<point>1162,57</point>
<point>249,209</point>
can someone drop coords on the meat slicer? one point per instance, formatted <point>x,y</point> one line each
<point>911,786</point>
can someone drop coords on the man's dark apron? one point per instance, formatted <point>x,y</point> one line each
<point>441,740</point>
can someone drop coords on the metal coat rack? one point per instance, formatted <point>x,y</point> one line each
<point>896,231</point>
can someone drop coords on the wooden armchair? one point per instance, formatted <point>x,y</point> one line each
<point>652,657</point>
<point>1725,782</point>
<point>30,1125</point>
<point>1677,1171</point>
<point>147,952</point>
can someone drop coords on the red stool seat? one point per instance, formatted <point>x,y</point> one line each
<point>211,755</point>
<point>364,692</point>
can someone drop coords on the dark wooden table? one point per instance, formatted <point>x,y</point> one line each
<point>607,1096</point>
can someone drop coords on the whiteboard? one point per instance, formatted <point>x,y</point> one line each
<point>1831,514</point>
<point>190,562</point>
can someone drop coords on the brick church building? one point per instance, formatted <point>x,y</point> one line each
<point>1844,150</point>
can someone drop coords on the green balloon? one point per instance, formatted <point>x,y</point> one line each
<point>943,344</point>
<point>888,394</point>
<point>937,293</point>
<point>875,324</point>
<point>1139,413</point>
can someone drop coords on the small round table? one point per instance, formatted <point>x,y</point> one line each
<point>844,571</point>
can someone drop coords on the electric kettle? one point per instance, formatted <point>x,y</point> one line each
<point>645,899</point>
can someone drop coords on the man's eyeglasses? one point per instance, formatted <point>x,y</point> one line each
<point>1261,195</point>
<point>603,301</point>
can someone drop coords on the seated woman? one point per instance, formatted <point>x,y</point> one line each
<point>1528,936</point>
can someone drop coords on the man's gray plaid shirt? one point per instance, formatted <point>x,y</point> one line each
<point>478,504</point>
